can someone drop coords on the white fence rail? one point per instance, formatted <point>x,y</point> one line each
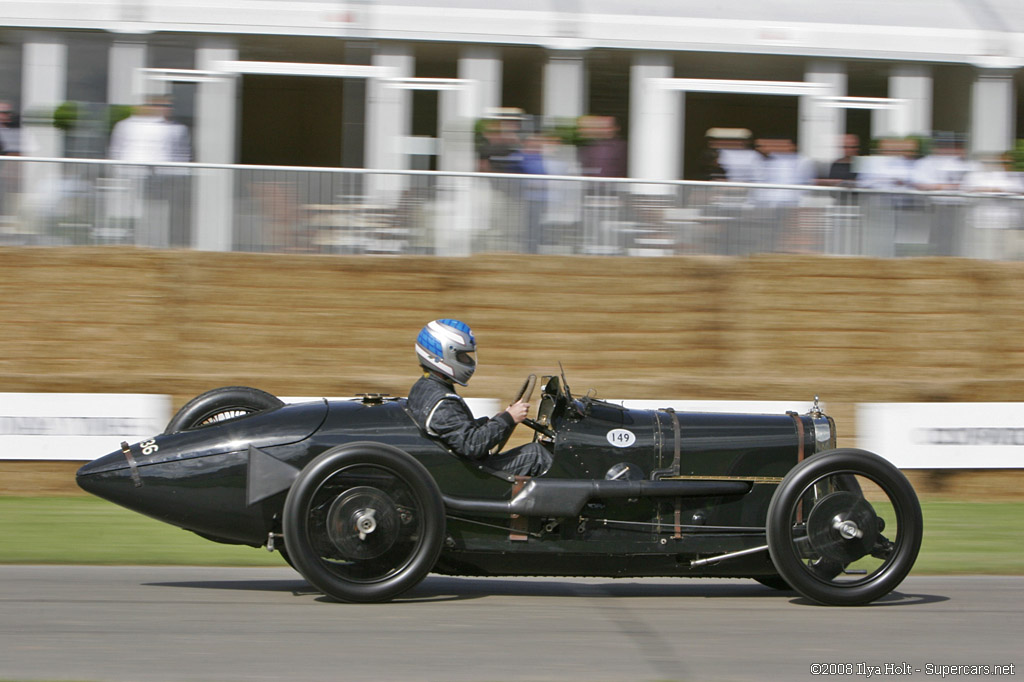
<point>78,426</point>
<point>358,211</point>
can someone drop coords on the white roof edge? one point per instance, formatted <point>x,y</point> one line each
<point>995,49</point>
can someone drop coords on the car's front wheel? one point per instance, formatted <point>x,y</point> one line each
<point>844,527</point>
<point>364,522</point>
<point>774,581</point>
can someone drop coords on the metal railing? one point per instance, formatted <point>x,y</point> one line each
<point>358,211</point>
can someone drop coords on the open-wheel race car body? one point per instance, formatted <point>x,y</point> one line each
<point>364,504</point>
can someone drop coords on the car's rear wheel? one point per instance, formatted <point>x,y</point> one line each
<point>364,522</point>
<point>221,404</point>
<point>844,527</point>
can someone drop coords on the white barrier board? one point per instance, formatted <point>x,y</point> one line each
<point>83,426</point>
<point>944,435</point>
<point>77,426</point>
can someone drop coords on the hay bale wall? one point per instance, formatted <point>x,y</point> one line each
<point>775,327</point>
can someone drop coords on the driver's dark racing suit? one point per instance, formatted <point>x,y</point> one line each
<point>444,415</point>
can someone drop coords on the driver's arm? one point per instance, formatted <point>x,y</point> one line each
<point>473,438</point>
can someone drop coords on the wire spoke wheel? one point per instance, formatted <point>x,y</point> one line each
<point>844,527</point>
<point>221,405</point>
<point>364,522</point>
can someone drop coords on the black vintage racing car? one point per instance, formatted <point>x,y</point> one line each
<point>364,504</point>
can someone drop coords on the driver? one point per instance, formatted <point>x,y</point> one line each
<point>446,351</point>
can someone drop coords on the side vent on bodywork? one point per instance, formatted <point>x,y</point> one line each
<point>267,476</point>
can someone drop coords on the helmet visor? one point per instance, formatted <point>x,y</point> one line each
<point>467,358</point>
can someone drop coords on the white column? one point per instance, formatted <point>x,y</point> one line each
<point>821,126</point>
<point>913,84</point>
<point>389,110</point>
<point>44,87</point>
<point>216,104</point>
<point>993,112</point>
<point>124,76</point>
<point>655,122</point>
<point>482,65</point>
<point>453,198</point>
<point>564,85</point>
<point>453,203</point>
<point>455,129</point>
<point>214,142</point>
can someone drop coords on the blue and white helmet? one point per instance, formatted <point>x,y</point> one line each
<point>447,347</point>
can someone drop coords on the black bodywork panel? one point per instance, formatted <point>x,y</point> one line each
<point>631,492</point>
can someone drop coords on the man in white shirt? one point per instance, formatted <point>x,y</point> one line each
<point>149,136</point>
<point>778,209</point>
<point>943,170</point>
<point>736,159</point>
<point>996,218</point>
<point>891,168</point>
<point>782,165</point>
<point>157,200</point>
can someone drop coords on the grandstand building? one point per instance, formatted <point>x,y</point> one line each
<point>396,84</point>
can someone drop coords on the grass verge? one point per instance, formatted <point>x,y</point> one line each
<point>88,530</point>
<point>959,537</point>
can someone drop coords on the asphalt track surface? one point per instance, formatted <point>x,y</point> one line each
<point>185,623</point>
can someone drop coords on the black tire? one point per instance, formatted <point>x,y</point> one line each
<point>364,522</point>
<point>776,582</point>
<point>284,555</point>
<point>830,542</point>
<point>221,404</point>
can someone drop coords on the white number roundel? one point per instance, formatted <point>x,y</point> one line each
<point>621,438</point>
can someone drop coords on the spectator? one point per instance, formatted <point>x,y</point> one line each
<point>734,159</point>
<point>158,200</point>
<point>603,154</point>
<point>890,218</point>
<point>149,136</point>
<point>892,167</point>
<point>499,146</point>
<point>780,207</point>
<point>994,222</point>
<point>782,165</point>
<point>500,199</point>
<point>536,191</point>
<point>10,133</point>
<point>943,170</point>
<point>842,173</point>
<point>10,145</point>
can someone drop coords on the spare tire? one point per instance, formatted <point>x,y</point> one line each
<point>219,405</point>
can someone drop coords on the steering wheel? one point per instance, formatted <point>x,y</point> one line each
<point>524,393</point>
<point>526,390</point>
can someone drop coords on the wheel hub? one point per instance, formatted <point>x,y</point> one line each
<point>848,530</point>
<point>842,527</point>
<point>366,523</point>
<point>362,523</point>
